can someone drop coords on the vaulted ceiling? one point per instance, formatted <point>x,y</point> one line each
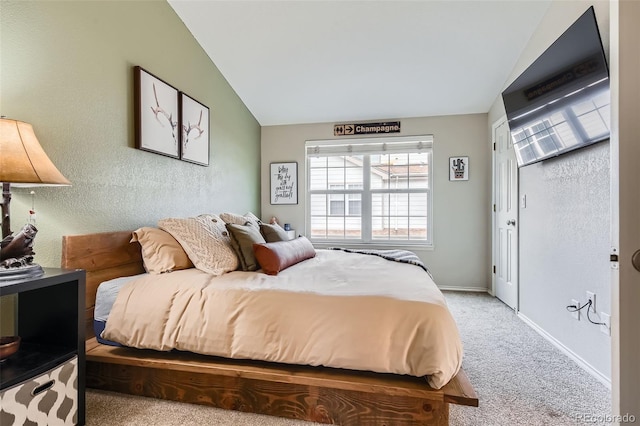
<point>304,61</point>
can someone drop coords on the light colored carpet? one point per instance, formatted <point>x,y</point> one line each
<point>520,378</point>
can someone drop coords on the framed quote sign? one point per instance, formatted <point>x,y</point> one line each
<point>284,183</point>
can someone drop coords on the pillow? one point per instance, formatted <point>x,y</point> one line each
<point>273,233</point>
<point>160,251</point>
<point>278,256</point>
<point>206,242</point>
<point>242,239</point>
<point>237,219</point>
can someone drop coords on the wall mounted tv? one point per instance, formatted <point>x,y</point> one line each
<point>562,101</point>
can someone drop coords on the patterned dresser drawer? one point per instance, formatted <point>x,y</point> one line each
<point>49,399</point>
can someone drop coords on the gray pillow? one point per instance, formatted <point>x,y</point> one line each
<point>273,233</point>
<point>242,239</point>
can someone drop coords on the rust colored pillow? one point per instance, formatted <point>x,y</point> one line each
<point>278,256</point>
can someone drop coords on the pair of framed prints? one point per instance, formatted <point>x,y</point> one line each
<point>169,122</point>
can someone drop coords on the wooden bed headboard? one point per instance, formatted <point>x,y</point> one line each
<point>104,256</point>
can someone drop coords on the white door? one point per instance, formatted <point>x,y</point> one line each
<point>505,216</point>
<point>625,208</point>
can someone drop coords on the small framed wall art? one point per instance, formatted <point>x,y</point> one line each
<point>458,168</point>
<point>284,183</point>
<point>194,131</point>
<point>156,114</point>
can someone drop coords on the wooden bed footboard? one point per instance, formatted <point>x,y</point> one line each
<point>320,394</point>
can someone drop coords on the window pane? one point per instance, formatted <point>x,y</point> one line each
<point>336,204</point>
<point>418,205</point>
<point>317,162</point>
<point>317,179</point>
<point>419,170</point>
<point>319,227</point>
<point>335,227</point>
<point>336,176</point>
<point>353,227</point>
<point>337,161</point>
<point>399,227</point>
<point>379,171</point>
<point>379,204</point>
<point>355,205</point>
<point>418,228</point>
<point>318,205</point>
<point>399,171</point>
<point>354,176</point>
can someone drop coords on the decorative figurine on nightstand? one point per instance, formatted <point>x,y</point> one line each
<point>23,162</point>
<point>16,254</point>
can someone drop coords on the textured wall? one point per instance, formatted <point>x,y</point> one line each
<point>66,68</point>
<point>564,230</point>
<point>564,248</point>
<point>460,257</point>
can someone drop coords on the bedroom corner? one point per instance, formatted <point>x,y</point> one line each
<point>77,92</point>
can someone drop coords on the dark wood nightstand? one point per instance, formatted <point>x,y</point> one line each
<point>50,364</point>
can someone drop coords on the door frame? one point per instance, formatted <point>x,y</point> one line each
<point>625,203</point>
<point>492,146</point>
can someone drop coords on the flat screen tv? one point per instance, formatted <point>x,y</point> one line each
<point>561,102</point>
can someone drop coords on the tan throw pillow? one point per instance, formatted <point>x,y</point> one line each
<point>242,239</point>
<point>205,240</point>
<point>160,251</point>
<point>273,233</point>
<point>237,219</point>
<point>275,257</point>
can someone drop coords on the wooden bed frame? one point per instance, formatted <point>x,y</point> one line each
<point>318,394</point>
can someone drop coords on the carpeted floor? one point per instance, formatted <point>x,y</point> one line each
<point>520,378</point>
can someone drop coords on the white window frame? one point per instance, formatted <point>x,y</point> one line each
<point>368,146</point>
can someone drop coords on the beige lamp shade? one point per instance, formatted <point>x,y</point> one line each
<point>22,159</point>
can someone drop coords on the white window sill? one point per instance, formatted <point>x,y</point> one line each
<point>373,246</point>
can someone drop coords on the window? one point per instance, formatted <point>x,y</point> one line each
<point>370,190</point>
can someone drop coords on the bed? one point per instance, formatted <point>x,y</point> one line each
<point>337,394</point>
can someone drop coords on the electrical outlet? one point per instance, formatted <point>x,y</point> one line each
<point>592,296</point>
<point>575,314</point>
<point>606,327</point>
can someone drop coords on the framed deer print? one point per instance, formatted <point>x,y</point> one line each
<point>156,114</point>
<point>194,131</point>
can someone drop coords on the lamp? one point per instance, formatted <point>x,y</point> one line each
<point>22,162</point>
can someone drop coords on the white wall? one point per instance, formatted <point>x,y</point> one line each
<point>461,254</point>
<point>564,230</point>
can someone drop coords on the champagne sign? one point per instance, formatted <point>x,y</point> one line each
<point>366,128</point>
<point>284,183</point>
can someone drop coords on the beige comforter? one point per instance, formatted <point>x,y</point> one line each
<point>343,310</point>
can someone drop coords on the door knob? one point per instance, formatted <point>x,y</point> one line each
<point>511,222</point>
<point>635,260</point>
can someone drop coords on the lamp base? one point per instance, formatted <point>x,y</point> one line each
<point>19,273</point>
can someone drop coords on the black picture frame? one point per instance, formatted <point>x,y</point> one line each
<point>156,114</point>
<point>194,130</point>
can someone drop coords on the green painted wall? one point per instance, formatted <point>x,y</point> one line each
<point>67,68</point>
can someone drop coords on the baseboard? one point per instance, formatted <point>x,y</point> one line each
<point>474,289</point>
<point>575,357</point>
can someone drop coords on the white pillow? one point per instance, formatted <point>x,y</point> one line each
<point>205,240</point>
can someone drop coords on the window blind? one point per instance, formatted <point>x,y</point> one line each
<point>407,144</point>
